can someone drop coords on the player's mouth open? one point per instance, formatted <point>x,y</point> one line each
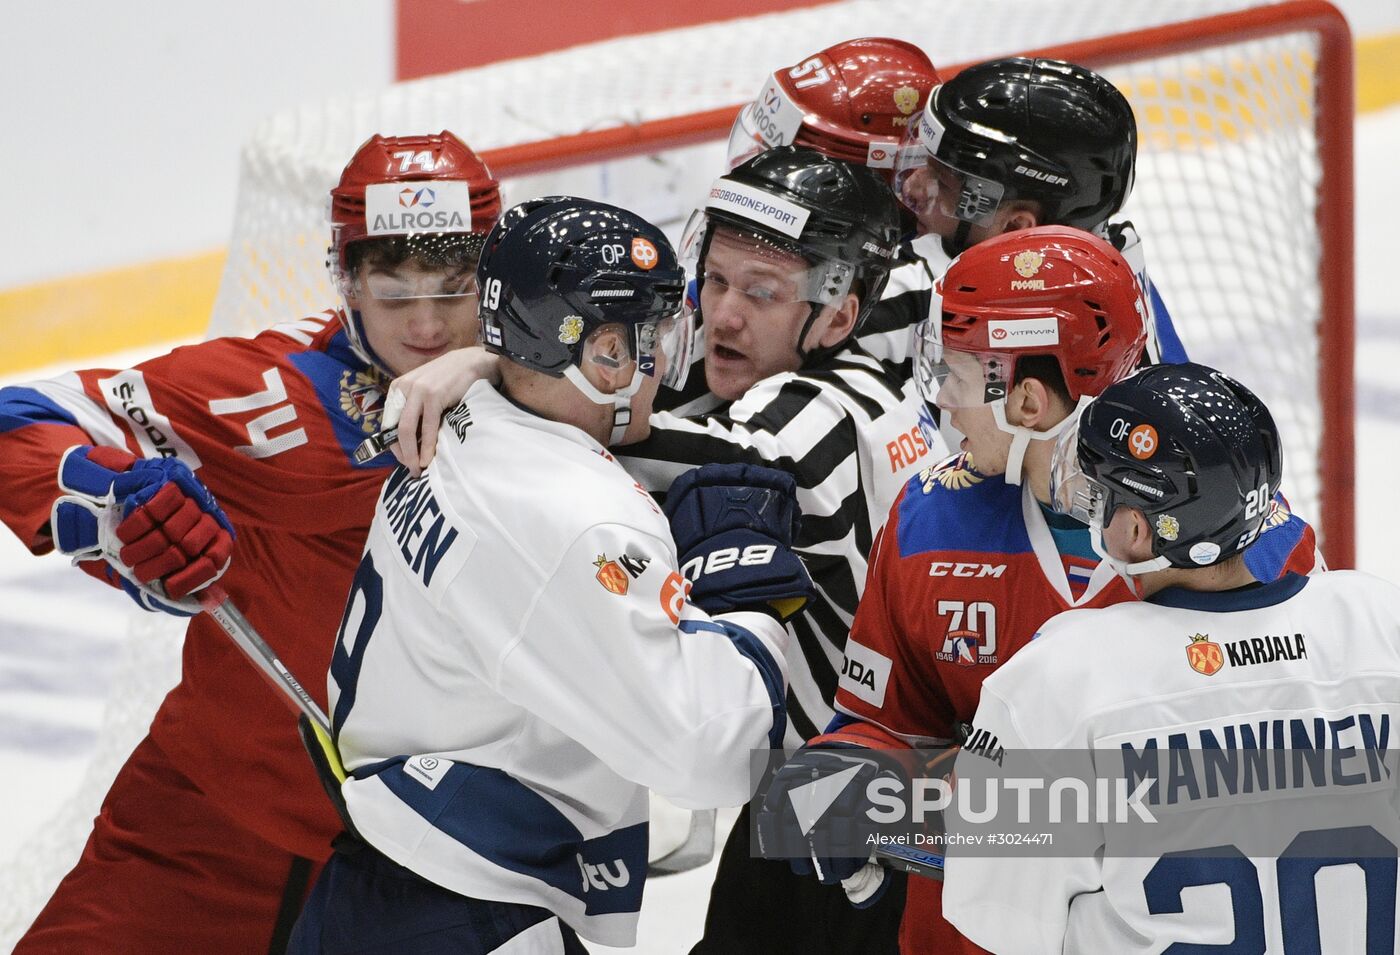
<point>728,354</point>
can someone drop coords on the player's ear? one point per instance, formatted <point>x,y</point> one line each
<point>841,323</point>
<point>1140,535</point>
<point>1033,405</point>
<point>1025,216</point>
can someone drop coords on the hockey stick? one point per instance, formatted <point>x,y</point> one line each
<point>868,879</point>
<point>215,601</point>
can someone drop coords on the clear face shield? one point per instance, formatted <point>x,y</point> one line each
<point>770,275</point>
<point>956,379</point>
<point>932,188</point>
<point>408,281</point>
<point>772,119</point>
<point>1072,492</point>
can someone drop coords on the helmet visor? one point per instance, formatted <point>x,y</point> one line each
<point>393,284</point>
<point>666,344</point>
<point>1073,492</point>
<point>767,272</point>
<point>957,379</point>
<point>928,184</point>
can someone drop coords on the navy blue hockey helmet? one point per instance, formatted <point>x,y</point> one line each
<point>556,269</point>
<point>1190,447</point>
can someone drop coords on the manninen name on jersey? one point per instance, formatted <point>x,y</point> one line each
<point>409,505</point>
<point>1261,756</point>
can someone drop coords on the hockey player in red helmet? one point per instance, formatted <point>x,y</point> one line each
<point>851,101</point>
<point>242,470</point>
<point>407,221</point>
<point>972,558</point>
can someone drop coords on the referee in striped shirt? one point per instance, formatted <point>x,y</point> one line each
<point>790,252</point>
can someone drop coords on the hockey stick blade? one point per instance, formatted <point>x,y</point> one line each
<point>908,859</point>
<point>217,604</point>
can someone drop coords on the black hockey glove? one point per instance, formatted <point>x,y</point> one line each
<point>831,840</point>
<point>734,525</point>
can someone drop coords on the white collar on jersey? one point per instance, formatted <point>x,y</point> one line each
<point>1048,555</point>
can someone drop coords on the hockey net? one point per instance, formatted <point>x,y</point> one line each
<point>1243,197</point>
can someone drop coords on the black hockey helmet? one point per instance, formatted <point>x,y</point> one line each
<point>555,269</point>
<point>1021,128</point>
<point>1191,448</point>
<point>840,217</point>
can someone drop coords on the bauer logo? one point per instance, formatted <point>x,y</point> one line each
<point>1029,332</point>
<point>865,673</point>
<point>758,206</point>
<point>398,208</point>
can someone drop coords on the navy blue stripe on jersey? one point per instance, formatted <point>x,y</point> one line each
<point>352,400</point>
<point>20,407</point>
<point>1173,352</point>
<point>1251,597</point>
<point>753,648</point>
<point>510,825</point>
<point>987,518</point>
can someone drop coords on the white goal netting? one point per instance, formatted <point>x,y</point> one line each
<point>1230,183</point>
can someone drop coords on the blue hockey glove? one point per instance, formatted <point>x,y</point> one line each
<point>814,812</point>
<point>734,525</point>
<point>152,521</point>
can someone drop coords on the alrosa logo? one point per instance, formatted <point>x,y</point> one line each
<point>424,197</point>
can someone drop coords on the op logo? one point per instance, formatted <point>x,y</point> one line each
<point>1204,655</point>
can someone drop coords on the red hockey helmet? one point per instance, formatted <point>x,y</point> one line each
<point>426,197</point>
<point>1051,290</point>
<point>851,101</point>
<point>408,185</point>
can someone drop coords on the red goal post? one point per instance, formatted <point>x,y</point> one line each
<point>1334,119</point>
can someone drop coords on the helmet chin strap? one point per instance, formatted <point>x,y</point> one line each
<point>1021,437</point>
<point>621,400</point>
<point>1128,570</point>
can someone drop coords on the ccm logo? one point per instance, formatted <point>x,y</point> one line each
<point>947,568</point>
<point>725,558</point>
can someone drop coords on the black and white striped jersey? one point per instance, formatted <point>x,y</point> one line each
<point>851,436</point>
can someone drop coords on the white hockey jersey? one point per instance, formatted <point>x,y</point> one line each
<point>518,663</point>
<point>1215,683</point>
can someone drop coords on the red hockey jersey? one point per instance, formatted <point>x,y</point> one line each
<point>269,425</point>
<point>964,574</point>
